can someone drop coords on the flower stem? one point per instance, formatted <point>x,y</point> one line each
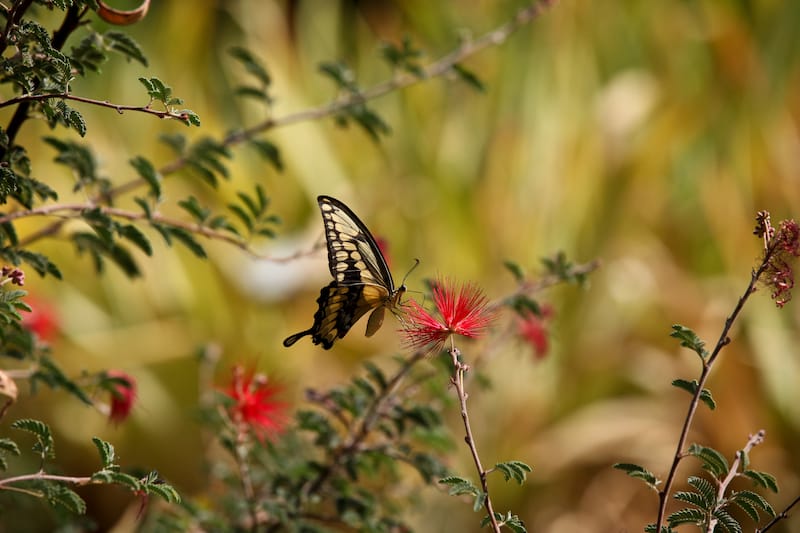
<point>459,369</point>
<point>724,339</point>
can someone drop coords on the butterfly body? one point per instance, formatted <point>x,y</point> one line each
<point>361,278</point>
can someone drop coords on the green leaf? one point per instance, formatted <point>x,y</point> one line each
<point>106,450</point>
<point>515,269</point>
<point>516,470</point>
<point>125,45</point>
<point>469,78</point>
<point>41,431</point>
<point>685,516</point>
<point>340,74</point>
<point>728,522</point>
<point>713,461</point>
<point>193,207</point>
<point>689,339</point>
<point>694,498</point>
<point>61,496</point>
<point>8,445</point>
<point>754,500</point>
<point>148,173</point>
<point>163,490</point>
<point>376,374</point>
<point>253,65</point>
<point>706,490</point>
<point>268,151</point>
<point>639,472</point>
<point>51,374</point>
<point>369,121</point>
<point>691,388</point>
<point>762,479</point>
<point>459,485</point>
<point>132,234</point>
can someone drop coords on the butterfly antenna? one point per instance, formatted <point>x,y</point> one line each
<point>416,264</point>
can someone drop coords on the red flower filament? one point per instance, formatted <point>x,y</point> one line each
<point>463,310</point>
<point>254,404</point>
<point>533,330</point>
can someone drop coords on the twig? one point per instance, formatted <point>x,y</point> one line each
<point>780,516</point>
<point>752,442</point>
<point>359,434</point>
<point>75,210</point>
<point>42,476</point>
<point>101,103</point>
<point>459,369</point>
<point>723,341</point>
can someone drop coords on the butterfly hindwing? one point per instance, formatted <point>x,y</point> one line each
<point>361,278</point>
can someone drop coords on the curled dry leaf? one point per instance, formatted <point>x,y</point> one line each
<point>119,17</point>
<point>8,387</point>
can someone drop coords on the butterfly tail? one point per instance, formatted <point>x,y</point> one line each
<point>291,339</point>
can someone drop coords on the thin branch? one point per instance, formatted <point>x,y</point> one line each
<point>459,369</point>
<point>357,436</point>
<point>74,211</point>
<point>441,67</point>
<point>783,515</point>
<point>724,340</point>
<point>752,442</point>
<point>101,103</point>
<point>85,480</point>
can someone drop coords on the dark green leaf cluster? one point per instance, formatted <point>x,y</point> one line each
<point>103,242</point>
<point>337,466</point>
<point>37,66</point>
<point>111,473</point>
<point>404,57</point>
<point>707,503</point>
<point>92,51</point>
<point>15,178</point>
<point>564,269</point>
<point>356,109</point>
<point>260,89</point>
<point>56,490</point>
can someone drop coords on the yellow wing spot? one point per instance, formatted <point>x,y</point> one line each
<point>374,295</point>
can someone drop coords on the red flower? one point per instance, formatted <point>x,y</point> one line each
<point>123,395</point>
<point>463,311</point>
<point>533,329</point>
<point>41,320</point>
<point>254,403</point>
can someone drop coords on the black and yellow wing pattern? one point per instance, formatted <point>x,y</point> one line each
<point>361,278</point>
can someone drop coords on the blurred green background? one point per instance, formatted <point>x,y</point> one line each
<point>646,134</point>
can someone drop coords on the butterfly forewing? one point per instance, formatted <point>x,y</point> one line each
<point>354,257</point>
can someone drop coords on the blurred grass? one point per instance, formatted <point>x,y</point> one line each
<point>647,134</point>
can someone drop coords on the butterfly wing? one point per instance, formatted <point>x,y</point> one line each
<point>354,257</point>
<point>362,281</point>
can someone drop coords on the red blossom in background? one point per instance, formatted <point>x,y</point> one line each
<point>254,403</point>
<point>785,247</point>
<point>463,310</point>
<point>533,330</point>
<point>41,320</point>
<point>123,395</point>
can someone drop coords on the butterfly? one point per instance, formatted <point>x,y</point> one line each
<point>361,278</point>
